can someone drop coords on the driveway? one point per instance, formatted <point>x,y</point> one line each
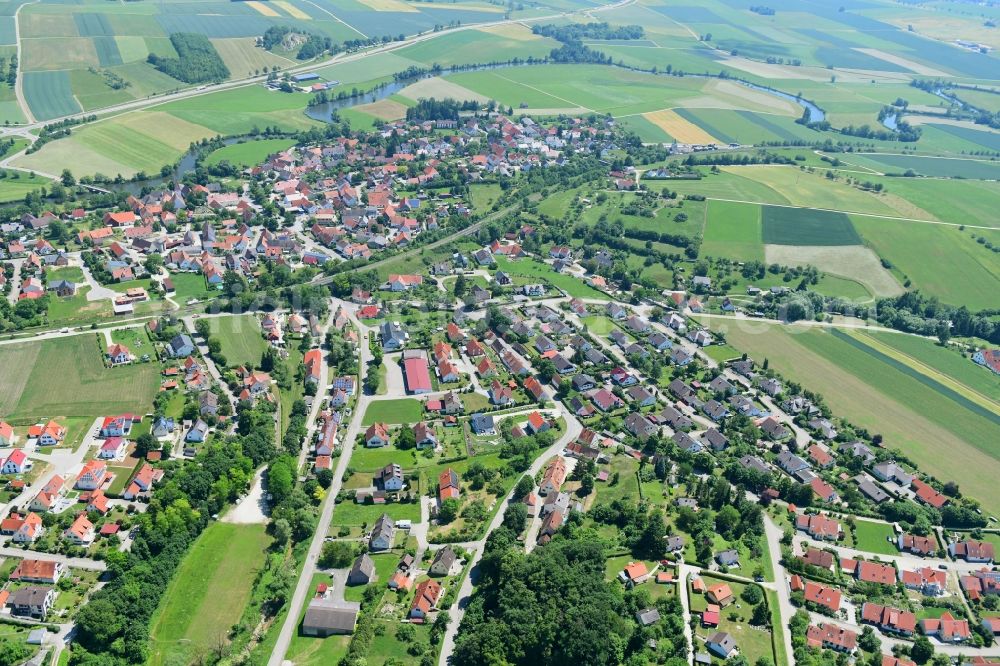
<point>253,508</point>
<point>97,292</point>
<point>15,281</point>
<point>395,386</point>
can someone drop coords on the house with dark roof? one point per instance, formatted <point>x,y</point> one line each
<point>382,534</point>
<point>721,644</point>
<point>363,570</point>
<point>444,560</point>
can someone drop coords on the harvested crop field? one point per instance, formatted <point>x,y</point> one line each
<point>511,31</point>
<point>728,94</point>
<point>785,225</point>
<point>903,62</point>
<point>679,128</point>
<point>855,262</point>
<point>388,6</point>
<point>439,88</point>
<point>291,10</point>
<point>261,8</point>
<point>384,109</point>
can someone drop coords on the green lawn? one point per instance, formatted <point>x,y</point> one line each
<point>66,377</point>
<point>368,460</point>
<point>599,324</point>
<point>402,410</point>
<point>534,269</point>
<point>351,513</point>
<point>873,538</point>
<point>190,285</point>
<point>248,153</point>
<point>14,185</point>
<point>207,593</point>
<point>240,335</point>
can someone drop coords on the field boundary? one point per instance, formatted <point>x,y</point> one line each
<point>927,381</point>
<point>851,212</point>
<point>939,376</point>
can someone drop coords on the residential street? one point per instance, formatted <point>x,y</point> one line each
<point>303,587</point>
<point>573,429</point>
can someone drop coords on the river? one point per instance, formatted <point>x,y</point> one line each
<point>324,113</point>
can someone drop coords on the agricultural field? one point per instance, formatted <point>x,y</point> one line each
<point>804,226</point>
<point>941,261</point>
<point>933,167</point>
<point>478,46</point>
<point>71,53</point>
<point>733,230</point>
<point>146,140</point>
<point>85,387</point>
<point>916,413</point>
<point>208,592</point>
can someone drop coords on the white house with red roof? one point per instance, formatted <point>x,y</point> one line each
<point>81,532</point>
<point>119,355</point>
<point>118,426</point>
<point>112,448</point>
<point>6,434</point>
<point>142,482</point>
<point>93,475</point>
<point>16,463</point>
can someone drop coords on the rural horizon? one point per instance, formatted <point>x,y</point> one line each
<point>520,332</point>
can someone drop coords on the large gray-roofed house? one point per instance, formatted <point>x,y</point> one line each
<point>325,617</point>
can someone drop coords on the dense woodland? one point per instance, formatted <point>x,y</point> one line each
<point>310,45</point>
<point>554,606</point>
<point>572,35</point>
<point>439,109</point>
<point>197,60</point>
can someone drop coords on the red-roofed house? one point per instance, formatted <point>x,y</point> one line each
<point>876,572</point>
<point>448,485</point>
<point>16,463</point>
<point>832,638</point>
<point>93,475</point>
<point>821,595</point>
<point>119,355</point>
<point>889,619</point>
<point>81,532</point>
<point>930,582</point>
<point>313,362</point>
<point>946,628</point>
<point>425,598</point>
<point>824,490</point>
<point>418,378</point>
